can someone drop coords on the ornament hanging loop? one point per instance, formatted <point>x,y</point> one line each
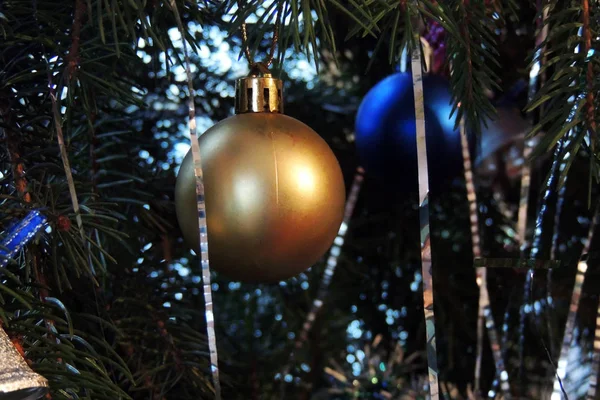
<point>267,63</point>
<point>259,70</point>
<point>259,92</point>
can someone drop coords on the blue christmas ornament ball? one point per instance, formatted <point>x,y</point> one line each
<point>385,133</point>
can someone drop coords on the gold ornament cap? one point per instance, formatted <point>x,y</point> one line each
<point>259,92</point>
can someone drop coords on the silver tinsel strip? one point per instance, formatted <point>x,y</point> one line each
<point>332,262</point>
<point>554,250</point>
<point>536,247</point>
<point>582,266</point>
<point>591,394</point>
<point>534,76</point>
<point>524,198</point>
<point>426,266</point>
<point>204,262</point>
<point>558,213</point>
<point>485,313</point>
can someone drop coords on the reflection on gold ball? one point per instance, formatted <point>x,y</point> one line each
<point>274,195</point>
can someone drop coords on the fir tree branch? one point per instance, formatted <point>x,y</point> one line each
<point>471,52</point>
<point>468,56</point>
<point>12,142</point>
<point>303,29</point>
<point>93,115</point>
<point>568,96</point>
<point>65,157</point>
<point>590,111</point>
<point>99,90</point>
<point>21,186</point>
<point>73,56</point>
<point>589,106</point>
<point>43,293</point>
<point>471,47</point>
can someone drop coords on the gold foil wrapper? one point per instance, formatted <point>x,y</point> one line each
<point>17,379</point>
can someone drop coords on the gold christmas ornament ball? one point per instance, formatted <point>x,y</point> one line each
<point>274,194</point>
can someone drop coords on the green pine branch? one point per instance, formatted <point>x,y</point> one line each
<point>570,92</point>
<point>60,297</point>
<point>304,24</point>
<point>471,46</point>
<point>110,316</point>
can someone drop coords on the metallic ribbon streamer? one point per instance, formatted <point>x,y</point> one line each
<point>556,168</point>
<point>550,190</point>
<point>204,262</point>
<point>332,261</point>
<point>19,235</point>
<point>516,263</point>
<point>524,198</point>
<point>503,349</point>
<point>536,247</point>
<point>591,394</point>
<point>527,289</point>
<point>534,74</point>
<point>522,229</point>
<point>507,213</point>
<point>560,201</point>
<point>426,266</point>
<point>582,266</point>
<point>485,312</point>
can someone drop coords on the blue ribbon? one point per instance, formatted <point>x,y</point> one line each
<point>19,234</point>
